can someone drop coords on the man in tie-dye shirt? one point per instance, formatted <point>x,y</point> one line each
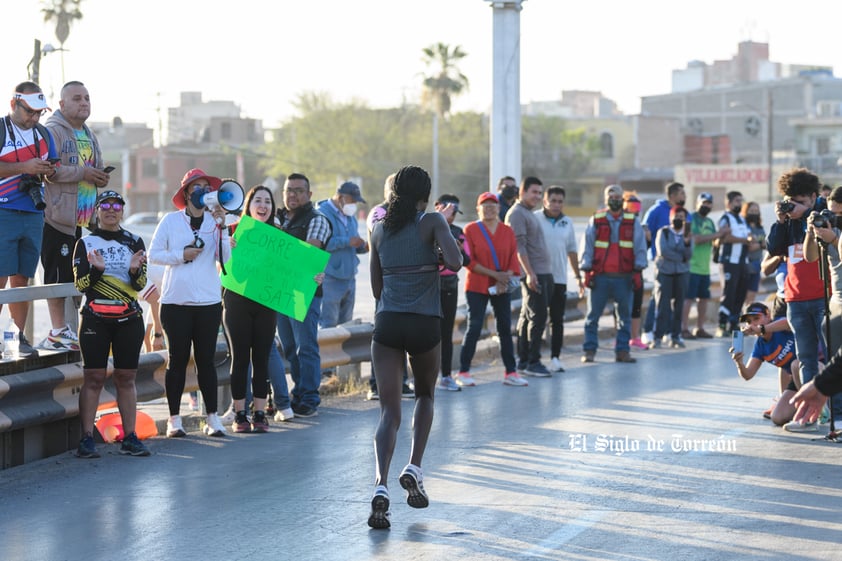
<point>70,197</point>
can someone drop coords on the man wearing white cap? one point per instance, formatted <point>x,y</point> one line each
<point>24,165</point>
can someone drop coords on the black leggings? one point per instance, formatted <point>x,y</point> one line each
<point>187,327</point>
<point>449,301</point>
<point>251,332</point>
<point>558,305</point>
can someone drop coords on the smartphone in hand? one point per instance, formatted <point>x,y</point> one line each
<point>109,169</point>
<point>737,341</point>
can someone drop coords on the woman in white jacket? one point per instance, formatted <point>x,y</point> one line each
<point>189,243</point>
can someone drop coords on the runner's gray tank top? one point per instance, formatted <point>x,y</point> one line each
<point>410,272</point>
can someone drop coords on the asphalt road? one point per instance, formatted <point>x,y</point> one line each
<point>666,459</point>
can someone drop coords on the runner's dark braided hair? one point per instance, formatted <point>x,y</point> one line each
<point>412,184</point>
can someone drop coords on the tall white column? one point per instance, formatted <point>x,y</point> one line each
<point>505,150</point>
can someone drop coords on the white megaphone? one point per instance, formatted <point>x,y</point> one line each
<point>229,196</point>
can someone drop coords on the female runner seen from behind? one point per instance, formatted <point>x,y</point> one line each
<point>407,248</point>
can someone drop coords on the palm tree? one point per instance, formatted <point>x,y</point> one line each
<point>62,12</point>
<point>444,82</point>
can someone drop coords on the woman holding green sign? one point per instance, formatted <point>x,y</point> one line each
<point>251,330</point>
<point>407,249</point>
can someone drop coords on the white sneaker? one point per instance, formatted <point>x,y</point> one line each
<point>229,416</point>
<point>555,365</point>
<point>647,337</point>
<point>213,426</point>
<point>174,428</point>
<point>794,426</point>
<point>282,415</point>
<point>464,379</point>
<point>514,379</point>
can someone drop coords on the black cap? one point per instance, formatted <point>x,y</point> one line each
<point>447,199</point>
<point>351,188</point>
<point>754,309</point>
<point>105,195</point>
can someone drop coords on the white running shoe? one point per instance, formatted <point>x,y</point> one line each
<point>647,337</point>
<point>282,415</point>
<point>174,428</point>
<point>229,416</point>
<point>464,379</point>
<point>555,365</point>
<point>412,480</point>
<point>213,426</point>
<point>514,379</point>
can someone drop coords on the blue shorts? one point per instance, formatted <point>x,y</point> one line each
<point>698,286</point>
<point>754,276</point>
<point>20,242</point>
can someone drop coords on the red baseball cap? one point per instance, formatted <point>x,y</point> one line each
<point>192,176</point>
<point>488,196</point>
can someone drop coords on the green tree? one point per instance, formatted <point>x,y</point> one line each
<point>331,141</point>
<point>555,153</point>
<point>444,82</point>
<point>62,12</point>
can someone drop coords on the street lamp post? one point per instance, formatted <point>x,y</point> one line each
<point>769,146</point>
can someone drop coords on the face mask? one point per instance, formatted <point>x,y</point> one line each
<point>196,198</point>
<point>615,204</point>
<point>678,223</point>
<point>752,217</point>
<point>704,210</point>
<point>509,192</point>
<point>350,209</point>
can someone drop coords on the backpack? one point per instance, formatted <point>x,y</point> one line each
<point>42,131</point>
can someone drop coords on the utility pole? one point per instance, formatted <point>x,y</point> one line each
<point>769,147</point>
<point>34,66</point>
<point>505,150</point>
<point>162,179</point>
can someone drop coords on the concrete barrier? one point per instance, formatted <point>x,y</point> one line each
<point>39,400</point>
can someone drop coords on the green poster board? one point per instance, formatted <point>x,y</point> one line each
<point>273,268</point>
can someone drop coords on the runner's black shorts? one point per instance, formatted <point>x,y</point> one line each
<point>413,333</point>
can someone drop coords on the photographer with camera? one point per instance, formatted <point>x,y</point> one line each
<point>823,232</point>
<point>25,161</point>
<point>803,287</point>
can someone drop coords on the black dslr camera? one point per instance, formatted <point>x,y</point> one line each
<point>823,219</point>
<point>34,187</point>
<point>786,206</point>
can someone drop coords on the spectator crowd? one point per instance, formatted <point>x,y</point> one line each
<point>56,209</point>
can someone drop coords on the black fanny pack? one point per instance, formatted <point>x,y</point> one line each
<point>112,311</point>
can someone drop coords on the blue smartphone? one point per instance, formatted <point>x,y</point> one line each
<point>737,341</point>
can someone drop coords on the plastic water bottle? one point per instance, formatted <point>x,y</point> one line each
<point>11,341</point>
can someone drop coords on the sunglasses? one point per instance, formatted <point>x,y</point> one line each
<point>111,206</point>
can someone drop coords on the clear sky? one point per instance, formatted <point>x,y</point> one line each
<point>262,53</point>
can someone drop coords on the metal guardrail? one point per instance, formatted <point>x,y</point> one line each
<point>39,406</point>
